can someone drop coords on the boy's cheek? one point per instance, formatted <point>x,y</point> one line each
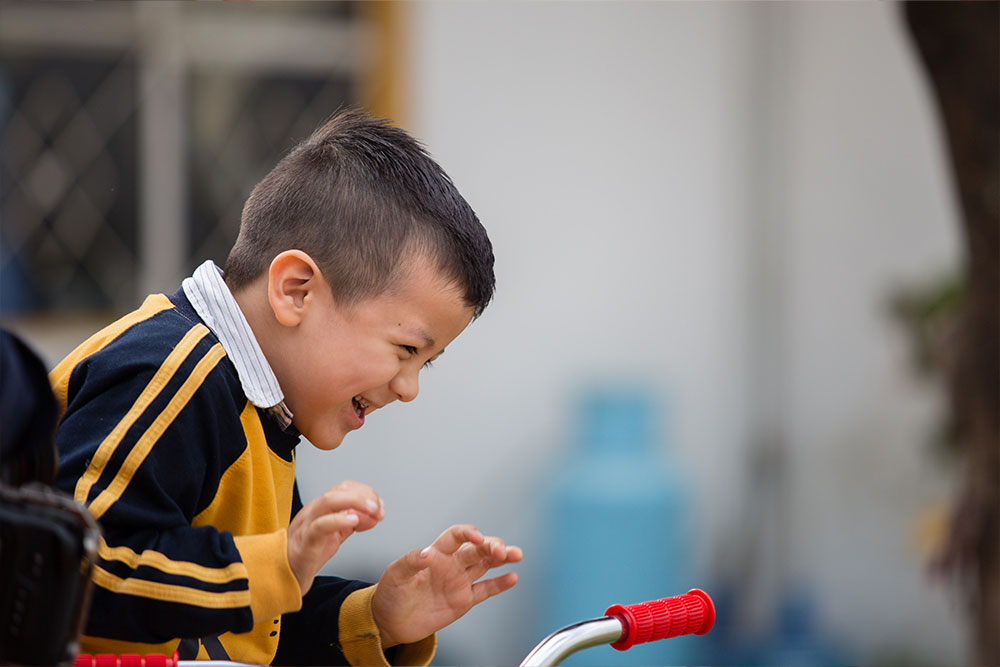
<point>373,374</point>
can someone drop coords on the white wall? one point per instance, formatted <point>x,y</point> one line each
<point>626,159</point>
<point>615,153</point>
<point>868,210</point>
<point>600,144</point>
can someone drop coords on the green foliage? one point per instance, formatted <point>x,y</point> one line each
<point>928,315</point>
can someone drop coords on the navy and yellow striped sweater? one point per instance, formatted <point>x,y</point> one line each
<point>194,488</point>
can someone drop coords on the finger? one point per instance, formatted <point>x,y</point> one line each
<point>450,540</point>
<point>350,495</point>
<point>411,563</point>
<point>514,554</point>
<point>325,535</point>
<point>468,555</point>
<point>483,565</point>
<point>355,491</point>
<point>483,590</point>
<point>341,524</point>
<point>365,520</point>
<point>497,552</point>
<point>333,504</point>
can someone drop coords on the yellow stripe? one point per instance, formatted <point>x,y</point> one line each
<point>59,377</point>
<point>142,447</point>
<point>152,390</point>
<point>155,559</point>
<point>170,592</point>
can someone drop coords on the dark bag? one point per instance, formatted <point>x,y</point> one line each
<point>48,542</point>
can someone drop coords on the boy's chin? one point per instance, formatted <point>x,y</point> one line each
<point>327,444</point>
<point>325,439</point>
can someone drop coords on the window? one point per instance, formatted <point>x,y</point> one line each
<point>131,134</point>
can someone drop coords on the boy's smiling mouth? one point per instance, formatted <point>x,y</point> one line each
<point>360,407</point>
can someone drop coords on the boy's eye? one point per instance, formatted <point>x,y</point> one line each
<point>412,351</point>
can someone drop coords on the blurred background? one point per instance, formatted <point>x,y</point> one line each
<point>732,254</point>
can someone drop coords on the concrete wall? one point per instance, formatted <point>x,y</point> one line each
<point>868,209</point>
<point>714,198</point>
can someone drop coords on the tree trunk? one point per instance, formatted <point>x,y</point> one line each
<point>959,43</point>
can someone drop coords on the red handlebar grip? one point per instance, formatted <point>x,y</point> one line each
<point>126,660</point>
<point>691,613</point>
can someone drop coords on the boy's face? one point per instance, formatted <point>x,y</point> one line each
<point>346,362</point>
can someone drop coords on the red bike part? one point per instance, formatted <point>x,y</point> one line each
<point>126,660</point>
<point>691,613</point>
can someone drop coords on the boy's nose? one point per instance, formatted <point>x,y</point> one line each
<point>405,385</point>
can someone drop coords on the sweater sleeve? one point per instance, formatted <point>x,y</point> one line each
<point>143,442</point>
<point>335,627</point>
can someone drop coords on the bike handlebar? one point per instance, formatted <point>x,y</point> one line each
<point>625,626</point>
<point>691,613</point>
<point>622,626</point>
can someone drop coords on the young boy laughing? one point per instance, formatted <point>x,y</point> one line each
<point>356,264</point>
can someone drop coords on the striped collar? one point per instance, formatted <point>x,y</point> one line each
<point>215,304</point>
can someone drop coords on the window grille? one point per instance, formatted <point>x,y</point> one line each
<point>131,134</point>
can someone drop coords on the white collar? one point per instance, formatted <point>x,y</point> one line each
<point>215,304</point>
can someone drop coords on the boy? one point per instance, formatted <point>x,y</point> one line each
<point>357,262</point>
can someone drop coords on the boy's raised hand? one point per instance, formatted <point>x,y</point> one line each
<point>428,589</point>
<point>322,525</point>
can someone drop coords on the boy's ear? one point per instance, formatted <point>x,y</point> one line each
<point>292,281</point>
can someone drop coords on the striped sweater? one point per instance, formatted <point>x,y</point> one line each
<point>194,488</point>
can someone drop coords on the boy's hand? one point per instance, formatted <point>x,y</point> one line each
<point>427,589</point>
<point>323,524</point>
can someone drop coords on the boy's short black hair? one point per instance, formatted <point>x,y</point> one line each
<point>360,196</point>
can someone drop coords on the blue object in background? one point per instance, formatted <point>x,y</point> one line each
<point>797,640</point>
<point>618,524</point>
